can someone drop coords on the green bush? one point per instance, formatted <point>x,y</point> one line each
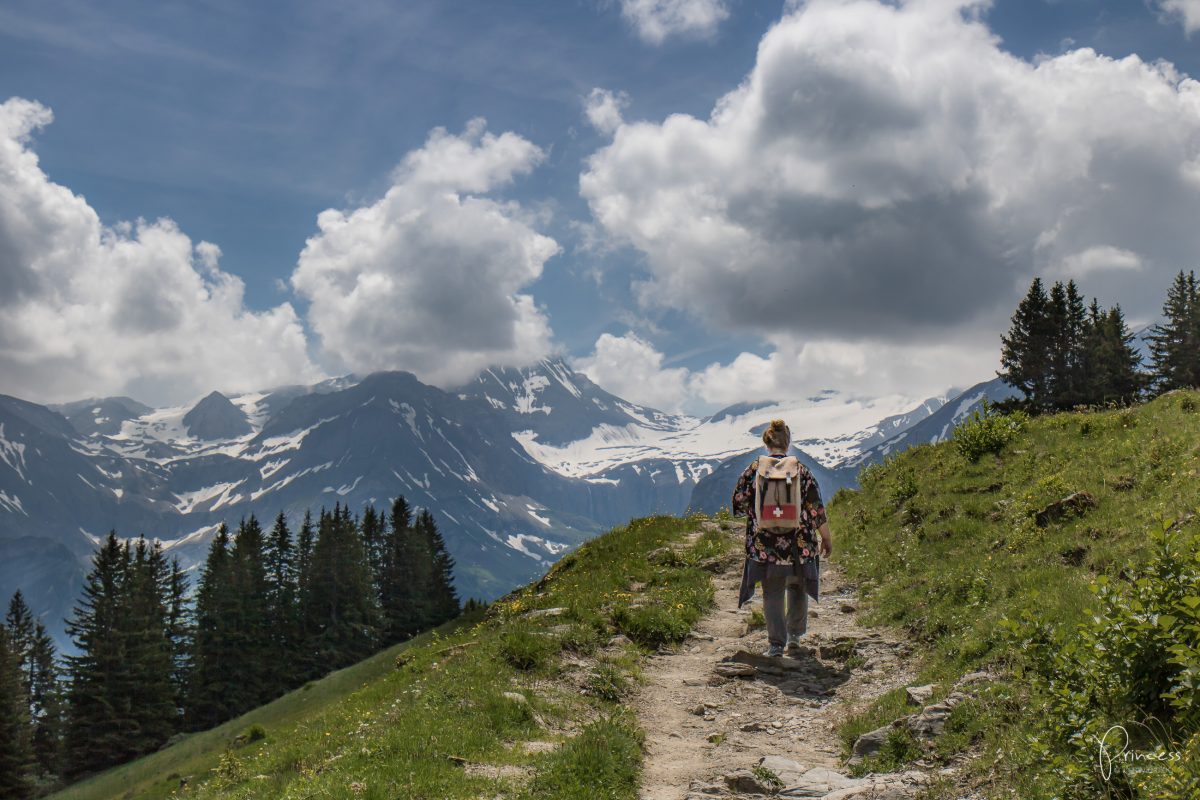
<point>986,431</point>
<point>608,682</point>
<point>654,625</point>
<point>1135,663</point>
<point>905,487</point>
<point>526,649</point>
<point>580,638</point>
<point>601,763</point>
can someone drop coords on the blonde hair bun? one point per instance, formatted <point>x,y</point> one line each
<point>777,435</point>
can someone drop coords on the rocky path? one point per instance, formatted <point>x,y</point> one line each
<point>715,709</point>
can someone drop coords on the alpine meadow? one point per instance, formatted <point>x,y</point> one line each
<point>621,400</point>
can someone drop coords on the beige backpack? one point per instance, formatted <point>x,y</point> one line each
<point>777,493</point>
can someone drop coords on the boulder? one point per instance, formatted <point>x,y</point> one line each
<point>819,782</point>
<point>1076,504</point>
<point>788,771</point>
<point>870,743</point>
<point>744,781</point>
<point>919,695</point>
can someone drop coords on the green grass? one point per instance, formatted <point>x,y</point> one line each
<point>946,548</point>
<point>411,721</point>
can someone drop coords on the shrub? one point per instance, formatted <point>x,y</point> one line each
<point>599,764</point>
<point>905,487</point>
<point>255,733</point>
<point>580,638</point>
<point>1134,663</point>
<point>526,649</point>
<point>986,431</point>
<point>653,625</point>
<point>608,682</point>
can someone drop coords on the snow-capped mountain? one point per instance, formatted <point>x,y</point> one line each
<point>518,466</point>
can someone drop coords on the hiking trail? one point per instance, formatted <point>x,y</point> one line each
<point>714,708</point>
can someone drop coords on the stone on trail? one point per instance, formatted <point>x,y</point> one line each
<point>732,669</point>
<point>745,781</point>
<point>787,770</point>
<point>819,782</point>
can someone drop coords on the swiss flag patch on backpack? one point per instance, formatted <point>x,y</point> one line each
<point>777,493</point>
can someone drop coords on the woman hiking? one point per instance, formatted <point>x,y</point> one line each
<point>782,502</point>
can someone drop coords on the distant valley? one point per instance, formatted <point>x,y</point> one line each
<point>518,466</point>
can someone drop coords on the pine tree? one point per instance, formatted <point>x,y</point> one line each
<point>1175,344</point>
<point>1025,349</point>
<point>308,665</point>
<point>214,660</point>
<point>16,751</point>
<point>148,650</point>
<point>99,727</point>
<point>46,705</point>
<point>341,603</point>
<point>20,634</point>
<point>405,596</point>
<point>373,531</point>
<point>443,599</point>
<point>1111,362</point>
<point>179,633</point>
<point>282,614</point>
<point>34,652</point>
<point>250,625</point>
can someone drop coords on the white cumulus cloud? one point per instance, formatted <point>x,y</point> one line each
<point>1186,12</point>
<point>657,20</point>
<point>888,178</point>
<point>603,109</point>
<point>630,367</point>
<point>136,308</point>
<point>429,277</point>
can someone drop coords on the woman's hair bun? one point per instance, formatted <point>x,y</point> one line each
<point>777,434</point>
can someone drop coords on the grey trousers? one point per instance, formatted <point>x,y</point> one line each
<point>783,623</point>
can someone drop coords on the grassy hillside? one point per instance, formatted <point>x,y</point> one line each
<point>524,702</point>
<point>1090,615</point>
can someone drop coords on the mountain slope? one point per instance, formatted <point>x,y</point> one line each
<point>989,566</point>
<point>472,710</point>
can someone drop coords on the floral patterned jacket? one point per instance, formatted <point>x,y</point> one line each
<point>775,547</point>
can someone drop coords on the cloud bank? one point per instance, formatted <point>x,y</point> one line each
<point>136,308</point>
<point>888,178</point>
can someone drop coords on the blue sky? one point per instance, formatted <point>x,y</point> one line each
<point>241,122</point>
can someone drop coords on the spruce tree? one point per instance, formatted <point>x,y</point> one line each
<point>1025,349</point>
<point>405,596</point>
<point>282,614</point>
<point>180,632</point>
<point>100,727</point>
<point>16,750</point>
<point>373,532</point>
<point>1111,362</point>
<point>46,705</point>
<point>148,650</point>
<point>341,604</point>
<point>443,601</point>
<point>213,657</point>
<point>19,620</point>
<point>1175,343</point>
<point>250,626</point>
<point>307,664</point>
